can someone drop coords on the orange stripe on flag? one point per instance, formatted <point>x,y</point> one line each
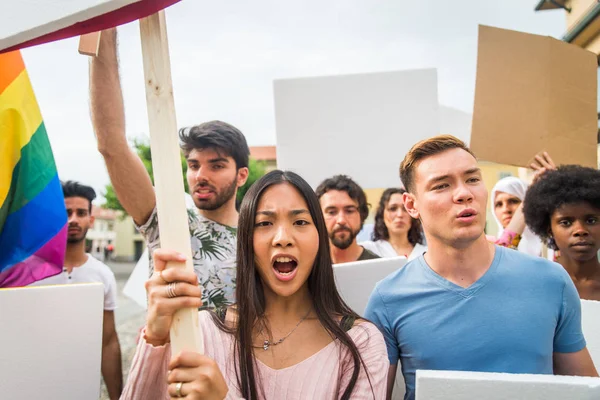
<point>11,65</point>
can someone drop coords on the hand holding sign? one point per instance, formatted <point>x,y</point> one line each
<point>169,290</point>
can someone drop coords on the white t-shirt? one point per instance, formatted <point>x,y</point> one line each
<point>91,271</point>
<point>384,249</point>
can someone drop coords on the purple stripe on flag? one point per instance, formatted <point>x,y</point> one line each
<point>47,261</point>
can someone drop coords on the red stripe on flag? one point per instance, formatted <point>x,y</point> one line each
<point>11,65</point>
<point>118,17</point>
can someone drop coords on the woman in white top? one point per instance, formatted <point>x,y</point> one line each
<point>507,204</point>
<point>395,233</point>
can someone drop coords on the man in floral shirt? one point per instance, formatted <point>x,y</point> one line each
<point>217,165</point>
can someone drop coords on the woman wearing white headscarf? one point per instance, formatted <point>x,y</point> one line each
<point>507,205</point>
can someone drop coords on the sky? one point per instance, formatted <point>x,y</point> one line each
<point>225,56</point>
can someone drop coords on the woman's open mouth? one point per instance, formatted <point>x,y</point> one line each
<point>285,268</point>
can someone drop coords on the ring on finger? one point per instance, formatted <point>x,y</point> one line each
<point>171,290</point>
<point>178,389</point>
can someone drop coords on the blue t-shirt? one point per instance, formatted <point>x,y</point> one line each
<point>512,319</point>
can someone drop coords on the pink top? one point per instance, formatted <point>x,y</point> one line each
<point>324,375</point>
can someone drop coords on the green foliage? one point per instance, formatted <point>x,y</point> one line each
<point>110,199</point>
<point>256,169</point>
<point>142,148</point>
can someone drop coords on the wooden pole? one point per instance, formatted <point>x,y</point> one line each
<point>166,164</point>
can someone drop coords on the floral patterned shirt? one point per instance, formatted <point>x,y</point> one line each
<point>213,251</point>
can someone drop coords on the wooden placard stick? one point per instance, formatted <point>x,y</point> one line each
<point>89,44</point>
<point>166,164</point>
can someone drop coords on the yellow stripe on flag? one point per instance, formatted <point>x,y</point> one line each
<point>20,117</point>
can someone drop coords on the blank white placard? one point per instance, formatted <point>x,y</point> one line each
<point>25,20</point>
<point>359,125</point>
<point>356,280</point>
<point>590,321</point>
<point>459,385</point>
<point>456,123</point>
<point>51,342</point>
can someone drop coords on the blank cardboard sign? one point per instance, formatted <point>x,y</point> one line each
<point>51,342</point>
<point>590,321</point>
<point>534,93</point>
<point>459,385</point>
<point>359,125</point>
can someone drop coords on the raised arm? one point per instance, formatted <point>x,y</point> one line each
<point>543,162</point>
<point>127,173</point>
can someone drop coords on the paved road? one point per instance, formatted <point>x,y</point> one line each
<point>129,318</point>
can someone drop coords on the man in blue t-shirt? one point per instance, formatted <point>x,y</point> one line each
<point>467,304</point>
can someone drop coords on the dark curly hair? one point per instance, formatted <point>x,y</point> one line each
<point>567,184</point>
<point>216,135</point>
<point>344,183</point>
<point>380,231</point>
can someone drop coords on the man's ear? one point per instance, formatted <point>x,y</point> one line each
<point>410,204</point>
<point>242,176</point>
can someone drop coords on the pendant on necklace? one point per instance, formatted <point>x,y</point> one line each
<point>266,345</point>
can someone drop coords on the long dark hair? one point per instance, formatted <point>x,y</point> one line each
<point>250,304</point>
<point>380,231</point>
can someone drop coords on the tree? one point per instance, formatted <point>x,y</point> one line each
<point>142,148</point>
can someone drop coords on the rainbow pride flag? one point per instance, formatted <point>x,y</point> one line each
<point>33,220</point>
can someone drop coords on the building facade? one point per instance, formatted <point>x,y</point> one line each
<point>102,237</point>
<point>130,244</point>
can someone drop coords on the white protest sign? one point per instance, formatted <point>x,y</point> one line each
<point>459,385</point>
<point>51,341</point>
<point>590,322</point>
<point>456,123</point>
<point>355,282</point>
<point>359,125</point>
<point>134,287</point>
<point>26,20</point>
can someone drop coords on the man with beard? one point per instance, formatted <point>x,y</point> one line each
<point>217,165</point>
<point>345,208</point>
<point>81,267</point>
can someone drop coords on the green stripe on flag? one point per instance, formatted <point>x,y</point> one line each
<point>31,174</point>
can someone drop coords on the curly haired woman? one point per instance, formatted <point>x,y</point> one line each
<point>563,207</point>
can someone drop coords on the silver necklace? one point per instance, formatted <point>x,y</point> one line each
<point>267,343</point>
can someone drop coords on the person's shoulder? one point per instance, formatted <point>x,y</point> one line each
<point>210,225</point>
<point>369,245</point>
<point>368,255</point>
<point>365,332</point>
<point>94,263</point>
<point>539,267</point>
<point>394,280</point>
